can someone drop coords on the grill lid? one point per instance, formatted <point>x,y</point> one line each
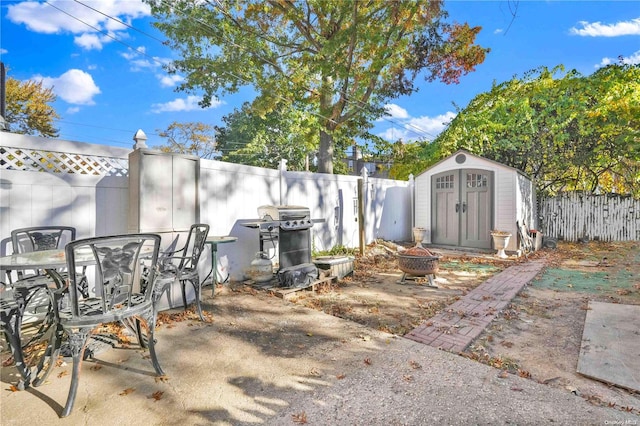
<point>281,213</point>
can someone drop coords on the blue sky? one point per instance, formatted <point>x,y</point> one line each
<point>109,78</point>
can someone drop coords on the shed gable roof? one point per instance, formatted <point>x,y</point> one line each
<point>465,152</point>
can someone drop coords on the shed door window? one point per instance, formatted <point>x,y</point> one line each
<point>476,180</point>
<point>445,182</point>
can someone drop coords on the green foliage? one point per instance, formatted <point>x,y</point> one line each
<point>339,61</point>
<point>565,130</point>
<point>338,250</point>
<point>193,138</point>
<point>28,108</point>
<point>262,141</point>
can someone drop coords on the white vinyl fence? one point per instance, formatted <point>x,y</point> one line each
<point>48,182</point>
<point>573,216</point>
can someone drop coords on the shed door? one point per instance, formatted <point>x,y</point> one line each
<point>461,202</point>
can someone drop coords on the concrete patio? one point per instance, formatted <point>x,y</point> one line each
<point>262,360</point>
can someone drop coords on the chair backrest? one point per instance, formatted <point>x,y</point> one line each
<point>38,238</point>
<point>195,245</point>
<point>117,269</point>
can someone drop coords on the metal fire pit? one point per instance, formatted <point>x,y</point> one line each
<point>418,265</point>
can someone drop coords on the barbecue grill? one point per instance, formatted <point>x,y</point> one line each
<point>290,228</point>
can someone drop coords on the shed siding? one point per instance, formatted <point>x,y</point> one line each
<point>505,204</point>
<point>423,204</point>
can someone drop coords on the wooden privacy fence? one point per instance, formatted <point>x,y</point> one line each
<point>574,215</point>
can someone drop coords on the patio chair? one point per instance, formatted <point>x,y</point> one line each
<point>10,321</point>
<point>116,263</point>
<point>39,238</point>
<point>182,265</point>
<point>32,289</point>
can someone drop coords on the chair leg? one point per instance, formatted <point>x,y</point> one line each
<point>184,294</point>
<point>141,340</point>
<point>197,289</point>
<point>11,325</point>
<point>150,319</point>
<point>48,360</point>
<point>77,342</point>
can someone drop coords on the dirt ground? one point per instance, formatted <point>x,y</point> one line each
<point>538,336</point>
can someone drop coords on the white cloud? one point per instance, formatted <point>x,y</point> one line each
<point>597,29</point>
<point>139,63</point>
<point>3,51</point>
<point>627,60</point>
<point>190,103</point>
<point>169,80</point>
<point>89,41</point>
<point>74,86</point>
<point>72,110</point>
<point>431,125</point>
<point>396,111</point>
<point>418,128</point>
<point>61,16</point>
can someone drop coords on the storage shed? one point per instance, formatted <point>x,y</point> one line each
<point>461,199</point>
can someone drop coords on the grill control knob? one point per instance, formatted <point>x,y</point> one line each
<point>287,223</point>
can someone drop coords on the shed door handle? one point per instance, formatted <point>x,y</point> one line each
<point>457,207</point>
<point>464,207</point>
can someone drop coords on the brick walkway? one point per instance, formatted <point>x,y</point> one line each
<point>462,322</point>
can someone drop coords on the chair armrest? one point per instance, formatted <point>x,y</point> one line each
<point>166,263</point>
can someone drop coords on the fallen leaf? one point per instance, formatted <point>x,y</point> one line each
<point>127,391</point>
<point>367,361</point>
<point>414,365</point>
<point>523,373</point>
<point>13,388</point>
<point>157,396</point>
<point>62,374</point>
<point>341,376</point>
<point>300,418</point>
<point>162,379</point>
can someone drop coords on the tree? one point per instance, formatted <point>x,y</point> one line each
<point>338,60</point>
<point>567,131</point>
<point>193,138</point>
<point>28,108</point>
<point>264,141</point>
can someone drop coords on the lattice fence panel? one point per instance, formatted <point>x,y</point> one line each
<point>61,162</point>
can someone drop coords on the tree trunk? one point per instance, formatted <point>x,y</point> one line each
<point>325,154</point>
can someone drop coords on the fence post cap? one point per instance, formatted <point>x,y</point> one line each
<point>140,139</point>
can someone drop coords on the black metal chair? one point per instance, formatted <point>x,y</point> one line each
<point>182,265</point>
<point>31,290</point>
<point>39,238</point>
<point>117,297</point>
<point>11,308</point>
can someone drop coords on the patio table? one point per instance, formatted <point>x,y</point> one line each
<point>213,241</point>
